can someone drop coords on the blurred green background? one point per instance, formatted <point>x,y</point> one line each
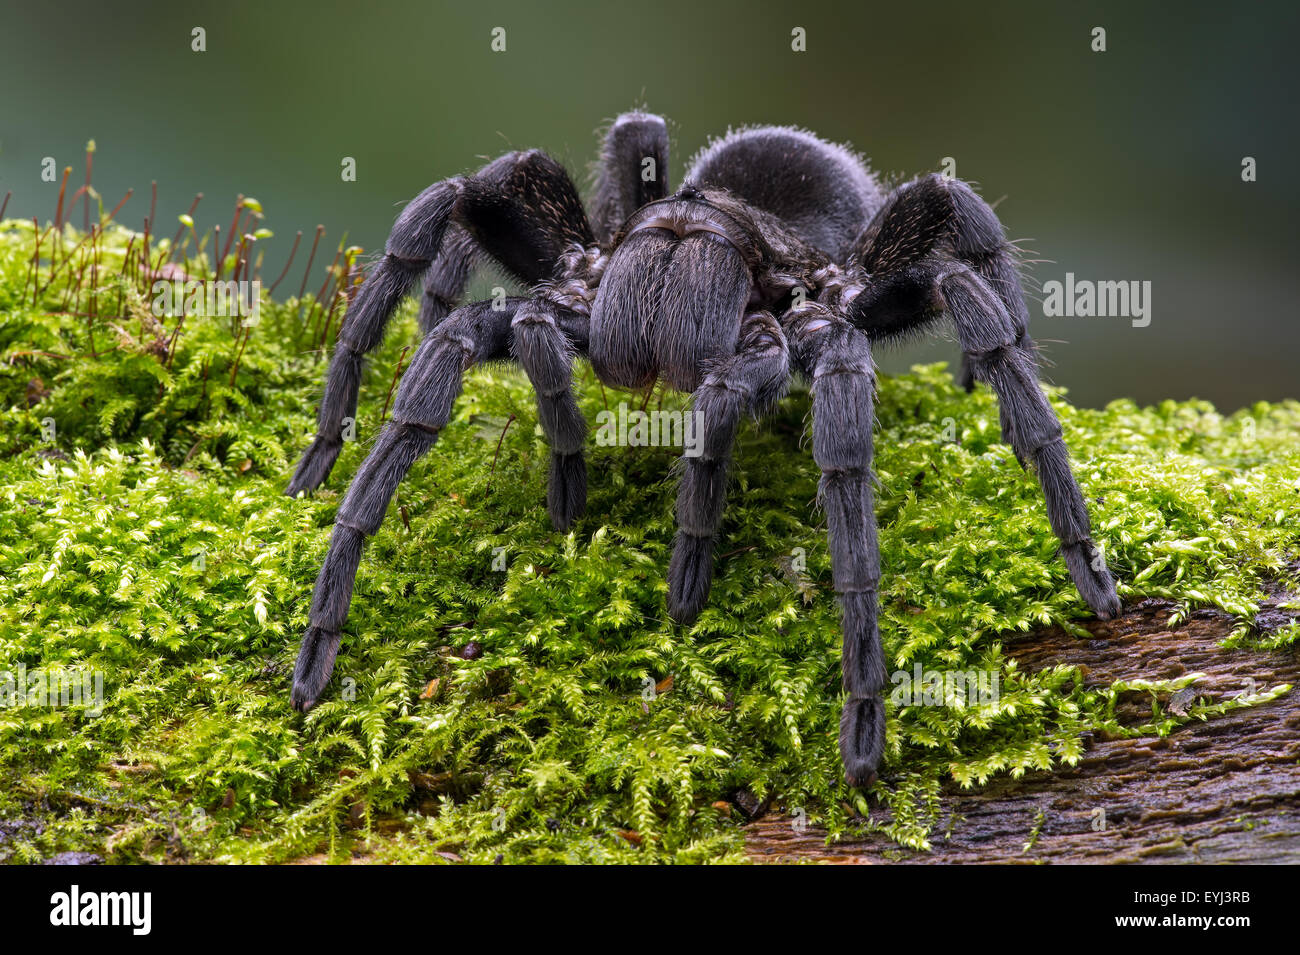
<point>1122,165</point>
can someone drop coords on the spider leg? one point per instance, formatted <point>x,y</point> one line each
<point>445,280</point>
<point>932,214</point>
<point>625,180</point>
<point>989,341</point>
<point>546,354</point>
<point>412,246</point>
<point>992,343</point>
<point>472,334</point>
<point>837,358</point>
<point>521,209</point>
<point>748,381</point>
<point>936,247</point>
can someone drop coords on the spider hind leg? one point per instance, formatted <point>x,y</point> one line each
<point>988,338</point>
<point>521,210</point>
<point>633,170</point>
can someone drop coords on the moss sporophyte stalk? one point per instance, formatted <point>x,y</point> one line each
<point>145,536</point>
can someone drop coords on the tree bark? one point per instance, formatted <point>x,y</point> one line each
<point>1217,791</point>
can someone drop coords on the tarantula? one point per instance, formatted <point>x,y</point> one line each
<point>780,254</point>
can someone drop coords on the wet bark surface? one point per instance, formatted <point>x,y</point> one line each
<point>1217,791</point>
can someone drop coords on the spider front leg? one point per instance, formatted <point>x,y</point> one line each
<point>751,379</point>
<point>837,358</point>
<point>937,247</point>
<point>988,338</point>
<point>546,354</point>
<point>412,246</point>
<point>429,388</point>
<point>522,210</point>
<point>934,214</point>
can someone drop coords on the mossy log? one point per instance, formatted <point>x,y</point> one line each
<point>1220,791</point>
<point>491,710</point>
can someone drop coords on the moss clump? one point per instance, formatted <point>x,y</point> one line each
<point>150,540</point>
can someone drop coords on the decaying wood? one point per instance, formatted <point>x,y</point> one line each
<point>1217,791</point>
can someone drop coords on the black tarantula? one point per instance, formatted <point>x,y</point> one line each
<point>781,253</point>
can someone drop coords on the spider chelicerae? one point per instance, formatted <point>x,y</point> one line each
<point>781,254</point>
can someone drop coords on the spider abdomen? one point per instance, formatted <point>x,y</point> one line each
<point>822,192</point>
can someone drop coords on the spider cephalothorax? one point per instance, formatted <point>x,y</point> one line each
<point>781,254</point>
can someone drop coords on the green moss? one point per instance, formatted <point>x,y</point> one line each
<point>551,747</point>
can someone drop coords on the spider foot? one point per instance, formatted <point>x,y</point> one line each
<point>862,739</point>
<point>566,492</point>
<point>314,467</point>
<point>1092,578</point>
<point>690,575</point>
<point>314,666</point>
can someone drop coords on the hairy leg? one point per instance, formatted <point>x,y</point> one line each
<point>931,215</point>
<point>936,247</point>
<point>752,378</point>
<point>837,358</point>
<point>633,170</point>
<point>989,340</point>
<point>546,355</point>
<point>472,334</point>
<point>521,210</point>
<point>446,278</point>
<point>412,246</point>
